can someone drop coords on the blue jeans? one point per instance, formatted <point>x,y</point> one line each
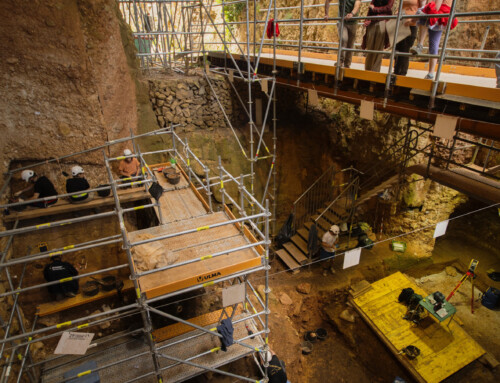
<point>323,254</point>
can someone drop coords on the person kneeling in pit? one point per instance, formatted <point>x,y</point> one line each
<point>130,166</point>
<point>76,184</point>
<point>57,270</point>
<point>276,370</point>
<point>41,186</point>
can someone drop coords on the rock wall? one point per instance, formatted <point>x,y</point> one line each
<point>66,79</point>
<point>188,100</point>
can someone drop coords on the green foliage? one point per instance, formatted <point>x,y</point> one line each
<point>232,13</point>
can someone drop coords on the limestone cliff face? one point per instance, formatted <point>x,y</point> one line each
<point>67,82</point>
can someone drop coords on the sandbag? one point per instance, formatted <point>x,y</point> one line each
<point>152,255</point>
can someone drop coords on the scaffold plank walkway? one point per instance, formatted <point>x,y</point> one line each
<point>206,343</point>
<point>64,206</point>
<point>443,350</point>
<point>49,308</point>
<point>202,243</point>
<point>178,329</point>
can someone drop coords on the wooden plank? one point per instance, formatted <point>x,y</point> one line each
<point>324,224</point>
<point>470,91</point>
<point>179,278</point>
<point>330,217</point>
<point>455,69</point>
<point>414,83</point>
<point>444,350</point>
<point>288,260</point>
<point>365,75</point>
<point>304,233</point>
<point>300,243</point>
<point>298,255</point>
<point>62,206</point>
<point>204,320</point>
<point>49,308</point>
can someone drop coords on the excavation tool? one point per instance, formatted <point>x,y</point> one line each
<point>471,273</point>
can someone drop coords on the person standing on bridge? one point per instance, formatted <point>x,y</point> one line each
<point>376,38</point>
<point>402,63</point>
<point>347,10</point>
<point>433,26</point>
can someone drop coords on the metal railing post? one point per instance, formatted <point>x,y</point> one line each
<point>140,297</point>
<point>442,55</point>
<point>223,200</point>
<point>393,52</point>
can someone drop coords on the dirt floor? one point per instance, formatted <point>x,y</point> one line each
<point>352,352</point>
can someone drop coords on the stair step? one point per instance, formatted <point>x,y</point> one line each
<point>304,233</point>
<point>296,253</point>
<point>329,216</point>
<point>287,259</point>
<point>308,225</point>
<point>300,243</point>
<point>323,223</point>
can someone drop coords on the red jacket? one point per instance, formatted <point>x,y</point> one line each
<point>430,9</point>
<point>269,29</point>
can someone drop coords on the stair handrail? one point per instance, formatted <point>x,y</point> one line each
<point>314,183</point>
<point>351,184</point>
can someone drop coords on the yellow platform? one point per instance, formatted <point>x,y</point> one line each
<point>444,350</point>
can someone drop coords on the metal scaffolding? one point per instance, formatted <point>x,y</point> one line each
<point>167,360</point>
<point>177,35</point>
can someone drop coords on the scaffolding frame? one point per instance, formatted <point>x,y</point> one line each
<point>19,344</point>
<point>198,32</point>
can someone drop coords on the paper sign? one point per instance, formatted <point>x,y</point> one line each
<point>440,229</point>
<point>231,75</point>
<point>264,86</point>
<point>366,110</point>
<point>74,343</point>
<point>207,67</point>
<point>351,258</point>
<point>313,97</point>
<point>233,295</point>
<point>445,126</point>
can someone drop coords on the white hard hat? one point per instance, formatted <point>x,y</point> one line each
<point>27,174</point>
<point>335,229</point>
<point>75,170</point>
<point>269,356</point>
<point>127,152</point>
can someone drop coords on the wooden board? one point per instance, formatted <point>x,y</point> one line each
<point>63,206</point>
<point>177,329</point>
<point>198,245</point>
<point>178,201</point>
<point>295,253</point>
<point>444,350</point>
<point>287,258</point>
<point>54,307</point>
<point>300,243</point>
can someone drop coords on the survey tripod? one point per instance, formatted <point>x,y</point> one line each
<point>469,274</point>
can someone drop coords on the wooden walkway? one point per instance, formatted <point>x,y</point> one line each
<point>183,208</point>
<point>444,350</point>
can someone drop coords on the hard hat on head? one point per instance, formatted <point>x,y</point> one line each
<point>27,174</point>
<point>127,152</point>
<point>335,229</point>
<point>269,356</point>
<point>75,170</point>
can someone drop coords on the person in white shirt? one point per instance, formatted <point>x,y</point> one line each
<point>328,242</point>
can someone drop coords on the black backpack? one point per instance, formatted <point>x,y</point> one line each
<point>406,295</point>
